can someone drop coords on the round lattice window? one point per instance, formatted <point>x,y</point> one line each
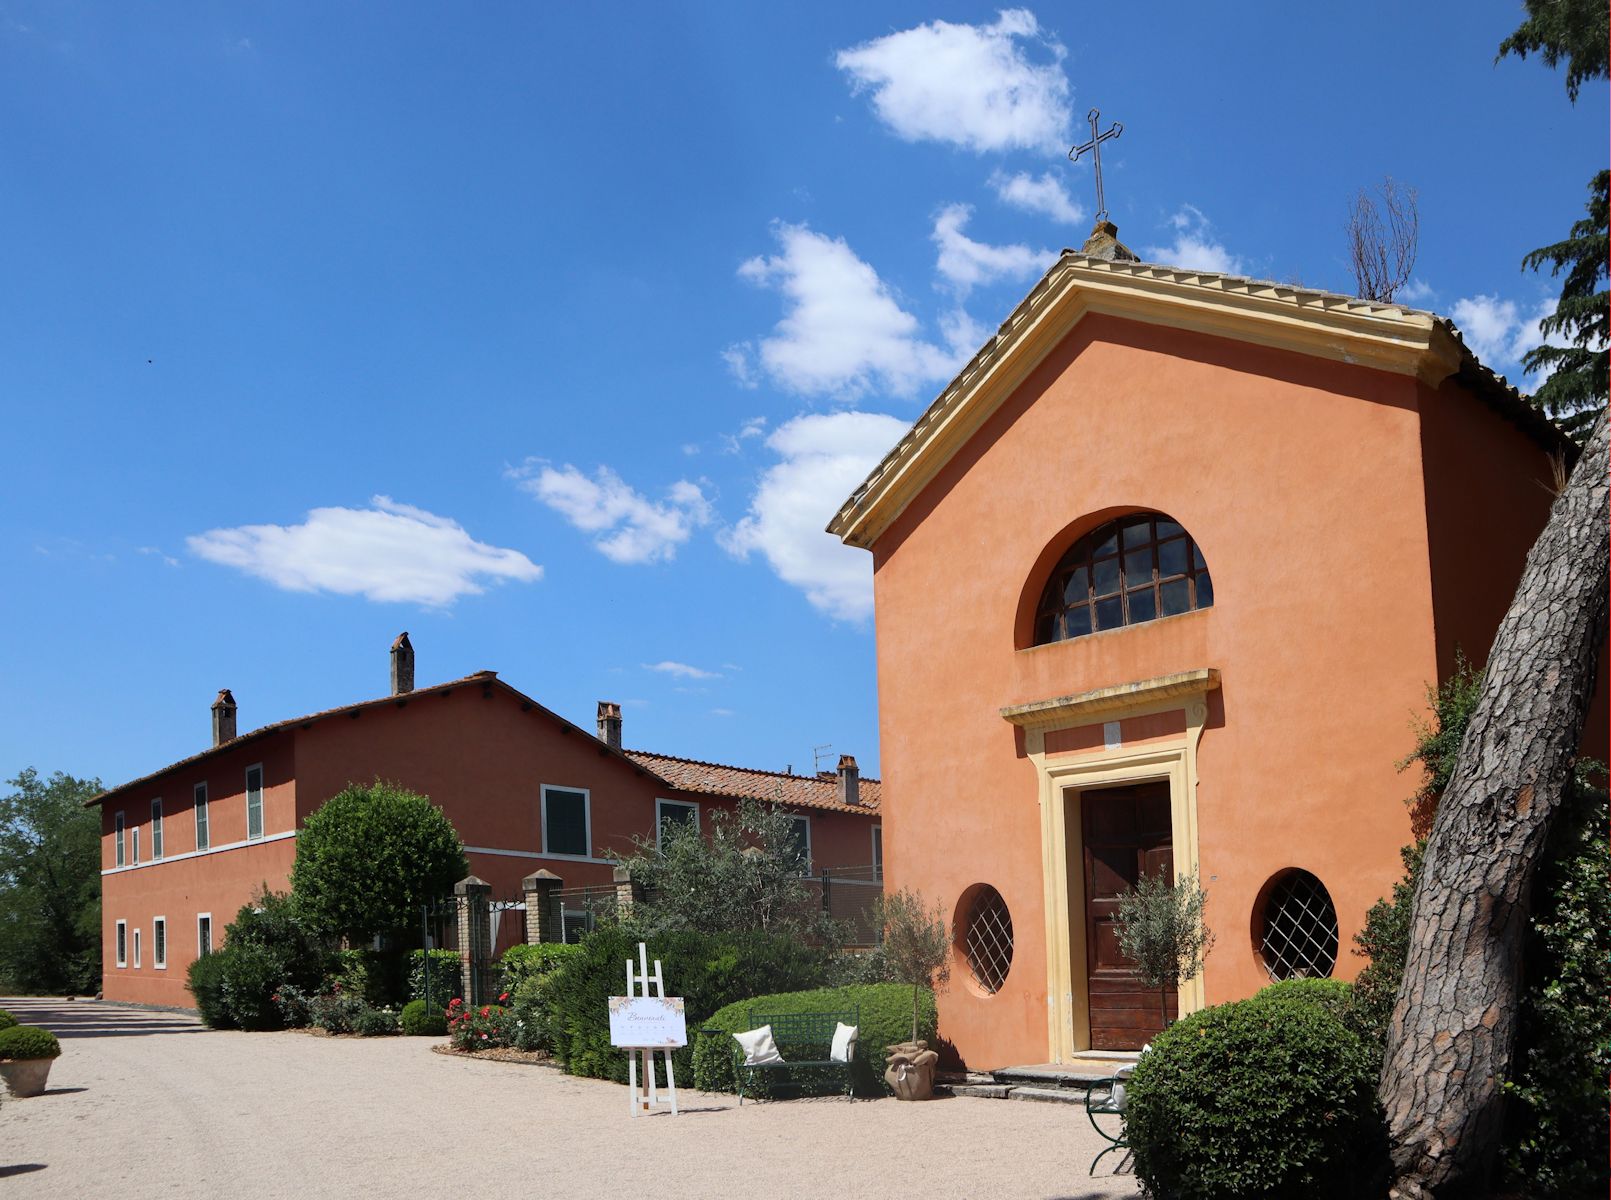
<point>1297,927</point>
<point>984,934</point>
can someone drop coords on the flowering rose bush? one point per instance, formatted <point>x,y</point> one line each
<point>292,1002</point>
<point>484,1027</point>
<point>337,1011</point>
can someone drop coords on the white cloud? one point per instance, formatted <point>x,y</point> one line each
<point>1500,333</point>
<point>967,85</point>
<point>739,358</point>
<point>722,712</point>
<point>1417,291</point>
<point>389,552</point>
<point>1044,194</point>
<point>629,527</point>
<point>966,264</point>
<point>842,332</point>
<point>1194,247</point>
<point>824,456</point>
<point>168,559</point>
<point>681,670</point>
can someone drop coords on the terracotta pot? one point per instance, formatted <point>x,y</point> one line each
<point>911,1070</point>
<point>25,1076</point>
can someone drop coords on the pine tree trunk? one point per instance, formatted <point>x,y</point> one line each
<point>1454,1025</point>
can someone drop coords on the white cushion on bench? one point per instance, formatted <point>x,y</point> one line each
<point>758,1046</point>
<point>844,1042</point>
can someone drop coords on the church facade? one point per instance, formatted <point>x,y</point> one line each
<point>1162,579</point>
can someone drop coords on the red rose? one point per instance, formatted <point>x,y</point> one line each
<point>486,1009</point>
<point>503,997</point>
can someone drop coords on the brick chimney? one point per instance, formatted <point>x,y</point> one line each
<point>849,780</point>
<point>610,723</point>
<point>402,665</point>
<point>223,718</point>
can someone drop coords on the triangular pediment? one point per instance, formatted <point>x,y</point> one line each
<point>1387,337</point>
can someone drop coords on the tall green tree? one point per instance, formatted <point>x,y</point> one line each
<point>50,884</point>
<point>1575,392</point>
<point>1574,33</point>
<point>369,858</point>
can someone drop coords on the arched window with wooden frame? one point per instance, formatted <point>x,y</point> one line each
<point>1134,569</point>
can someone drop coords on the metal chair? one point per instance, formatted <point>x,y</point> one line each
<point>1111,1104</point>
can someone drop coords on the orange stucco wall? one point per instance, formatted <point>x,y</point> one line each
<point>1302,481</point>
<point>477,752</point>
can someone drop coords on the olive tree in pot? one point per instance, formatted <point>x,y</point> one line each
<point>917,950</point>
<point>26,1053</point>
<point>1161,930</point>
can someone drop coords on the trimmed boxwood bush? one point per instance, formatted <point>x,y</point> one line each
<point>1268,1098</point>
<point>885,1019</point>
<point>28,1041</point>
<point>420,1019</point>
<point>6,1019</point>
<point>1332,996</point>
<point>707,971</point>
<point>375,1022</point>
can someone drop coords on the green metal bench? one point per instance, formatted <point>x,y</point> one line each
<point>797,1034</point>
<point>1110,1104</point>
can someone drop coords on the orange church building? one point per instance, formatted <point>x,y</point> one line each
<point>184,848</point>
<point>1161,581</point>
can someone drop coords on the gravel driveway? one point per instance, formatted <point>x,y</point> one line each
<point>148,1104</point>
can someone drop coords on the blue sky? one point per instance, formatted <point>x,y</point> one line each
<point>555,334</point>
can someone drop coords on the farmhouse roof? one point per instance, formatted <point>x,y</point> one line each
<point>487,680</point>
<point>1390,337</point>
<point>773,787</point>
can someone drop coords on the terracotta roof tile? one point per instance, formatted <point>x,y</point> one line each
<point>485,678</point>
<point>718,779</point>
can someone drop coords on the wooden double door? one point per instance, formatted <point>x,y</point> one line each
<point>1125,834</point>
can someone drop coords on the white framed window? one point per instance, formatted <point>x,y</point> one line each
<point>137,948</point>
<point>567,822</point>
<point>673,812</point>
<point>134,845</point>
<point>204,934</point>
<point>203,834</point>
<point>118,838</point>
<point>799,847</point>
<point>159,943</point>
<point>254,802</point>
<point>122,943</point>
<point>156,829</point>
<point>878,852</point>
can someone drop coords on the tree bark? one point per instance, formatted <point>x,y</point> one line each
<point>1454,1024</point>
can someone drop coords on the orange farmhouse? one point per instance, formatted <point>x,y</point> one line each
<point>184,848</point>
<point>1161,580</point>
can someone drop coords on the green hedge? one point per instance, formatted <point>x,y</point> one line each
<point>445,976</point>
<point>381,977</point>
<point>520,963</point>
<point>375,1022</point>
<point>206,981</point>
<point>6,1019</point>
<point>1270,1098</point>
<point>707,971</point>
<point>1332,996</point>
<point>28,1041</point>
<point>885,1019</point>
<point>420,1019</point>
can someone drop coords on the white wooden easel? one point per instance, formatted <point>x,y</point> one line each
<point>646,1096</point>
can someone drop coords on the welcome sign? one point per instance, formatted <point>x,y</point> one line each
<point>647,1022</point>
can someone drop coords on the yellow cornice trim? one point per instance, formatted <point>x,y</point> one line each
<point>1124,697</point>
<point>1386,337</point>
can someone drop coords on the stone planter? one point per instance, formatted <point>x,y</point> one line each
<point>911,1070</point>
<point>25,1076</point>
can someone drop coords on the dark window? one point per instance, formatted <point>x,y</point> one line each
<point>798,847</point>
<point>204,934</point>
<point>565,822</point>
<point>676,814</point>
<point>1297,927</point>
<point>159,942</point>
<point>1135,569</point>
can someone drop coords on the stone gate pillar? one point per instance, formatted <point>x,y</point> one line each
<point>627,892</point>
<point>541,889</point>
<point>475,932</point>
